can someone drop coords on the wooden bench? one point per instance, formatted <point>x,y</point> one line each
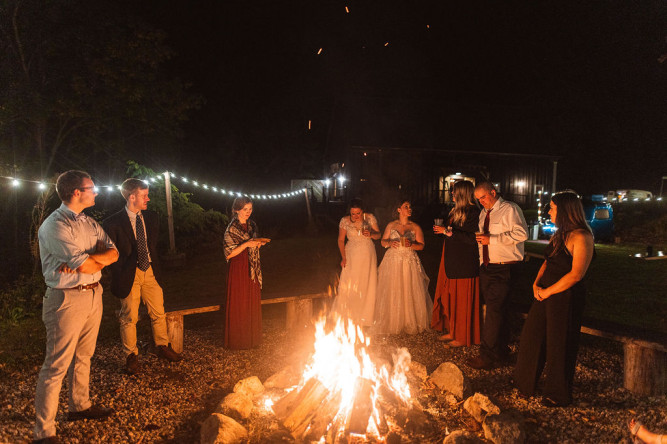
<point>299,314</point>
<point>644,361</point>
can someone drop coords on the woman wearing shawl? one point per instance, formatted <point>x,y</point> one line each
<point>243,316</point>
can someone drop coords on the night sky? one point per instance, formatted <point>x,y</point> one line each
<point>578,79</point>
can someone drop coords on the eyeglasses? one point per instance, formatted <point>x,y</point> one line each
<point>82,189</point>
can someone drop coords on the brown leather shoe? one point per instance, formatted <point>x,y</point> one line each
<point>93,412</point>
<point>479,363</point>
<point>168,353</point>
<point>132,364</point>
<point>49,440</point>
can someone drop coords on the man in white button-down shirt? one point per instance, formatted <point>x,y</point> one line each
<point>502,232</point>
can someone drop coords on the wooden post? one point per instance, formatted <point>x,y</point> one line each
<point>175,331</point>
<point>170,213</point>
<point>645,370</point>
<point>299,313</point>
<point>310,213</point>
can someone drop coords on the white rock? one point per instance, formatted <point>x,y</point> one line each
<point>461,437</point>
<point>504,428</point>
<point>239,403</point>
<point>221,429</point>
<point>449,377</point>
<point>479,406</point>
<point>250,386</point>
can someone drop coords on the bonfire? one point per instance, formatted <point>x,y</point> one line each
<point>343,393</point>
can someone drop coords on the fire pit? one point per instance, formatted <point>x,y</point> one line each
<point>342,394</point>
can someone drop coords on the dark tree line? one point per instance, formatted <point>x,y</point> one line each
<point>84,83</point>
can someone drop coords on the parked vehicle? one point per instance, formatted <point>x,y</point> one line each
<point>629,195</point>
<point>599,215</point>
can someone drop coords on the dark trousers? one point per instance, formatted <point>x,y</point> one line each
<point>550,342</point>
<point>494,284</point>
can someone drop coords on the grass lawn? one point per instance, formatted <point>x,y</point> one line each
<point>621,288</point>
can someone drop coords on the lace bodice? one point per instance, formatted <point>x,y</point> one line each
<point>354,229</point>
<point>396,236</point>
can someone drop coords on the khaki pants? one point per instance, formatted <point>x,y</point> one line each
<point>72,320</point>
<point>146,289</point>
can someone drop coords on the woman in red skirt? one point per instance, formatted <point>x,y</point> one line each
<point>456,307</point>
<point>243,316</point>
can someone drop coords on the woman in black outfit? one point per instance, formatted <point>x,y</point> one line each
<point>456,307</point>
<point>551,333</point>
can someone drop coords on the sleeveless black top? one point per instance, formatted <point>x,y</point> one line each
<point>558,266</point>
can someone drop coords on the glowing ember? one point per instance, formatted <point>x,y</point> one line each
<point>342,382</point>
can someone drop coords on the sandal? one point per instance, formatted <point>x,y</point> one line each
<point>634,427</point>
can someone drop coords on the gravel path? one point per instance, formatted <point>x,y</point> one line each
<point>168,402</point>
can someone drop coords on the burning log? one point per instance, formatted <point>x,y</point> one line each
<point>323,418</point>
<point>299,408</point>
<point>362,408</point>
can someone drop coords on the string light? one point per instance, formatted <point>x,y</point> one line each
<point>43,185</point>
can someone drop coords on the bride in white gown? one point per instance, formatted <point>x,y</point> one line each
<point>355,299</point>
<point>403,303</point>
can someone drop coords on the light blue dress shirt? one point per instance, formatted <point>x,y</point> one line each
<point>67,237</point>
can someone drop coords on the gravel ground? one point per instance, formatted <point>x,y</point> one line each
<point>168,402</point>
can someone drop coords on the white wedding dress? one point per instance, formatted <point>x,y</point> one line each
<point>355,299</point>
<point>403,303</point>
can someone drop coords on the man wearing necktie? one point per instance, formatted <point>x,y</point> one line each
<point>134,278</point>
<point>502,232</point>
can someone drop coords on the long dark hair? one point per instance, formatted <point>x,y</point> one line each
<point>569,217</point>
<point>462,193</point>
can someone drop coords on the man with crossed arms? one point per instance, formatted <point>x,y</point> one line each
<point>502,232</point>
<point>73,249</point>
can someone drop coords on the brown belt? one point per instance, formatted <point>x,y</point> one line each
<point>84,287</point>
<point>504,263</point>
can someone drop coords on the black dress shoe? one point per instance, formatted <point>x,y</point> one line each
<point>168,353</point>
<point>93,412</point>
<point>49,440</point>
<point>479,363</point>
<point>548,402</point>
<point>132,364</point>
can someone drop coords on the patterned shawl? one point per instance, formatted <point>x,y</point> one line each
<point>236,235</point>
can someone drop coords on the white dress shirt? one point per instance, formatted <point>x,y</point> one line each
<point>508,230</point>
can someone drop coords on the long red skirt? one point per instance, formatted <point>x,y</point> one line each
<point>456,307</point>
<point>243,317</point>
